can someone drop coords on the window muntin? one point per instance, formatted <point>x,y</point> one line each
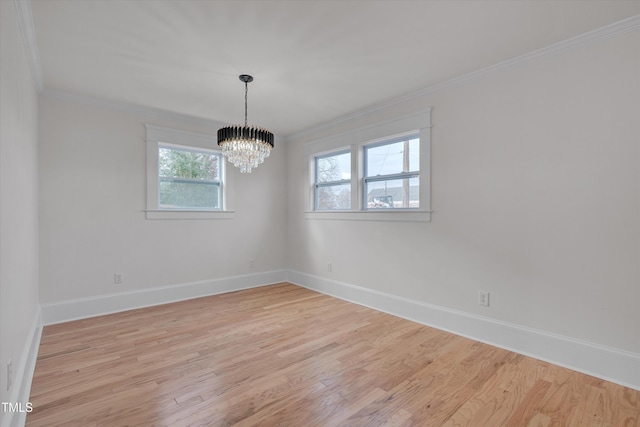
<point>392,173</point>
<point>355,139</point>
<point>332,174</point>
<point>189,178</point>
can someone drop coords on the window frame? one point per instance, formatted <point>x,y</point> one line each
<point>219,183</point>
<point>325,184</point>
<point>158,137</point>
<point>366,178</point>
<point>355,140</point>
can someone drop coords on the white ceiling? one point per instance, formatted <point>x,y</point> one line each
<point>313,61</point>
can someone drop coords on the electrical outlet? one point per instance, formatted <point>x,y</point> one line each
<point>117,278</point>
<point>483,298</point>
<point>9,375</point>
<point>329,267</point>
<point>252,263</point>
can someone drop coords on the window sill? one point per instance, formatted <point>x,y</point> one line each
<point>188,214</point>
<point>401,215</point>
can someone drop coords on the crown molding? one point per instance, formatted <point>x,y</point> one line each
<point>126,107</point>
<point>617,28</point>
<point>24,11</point>
<point>25,22</point>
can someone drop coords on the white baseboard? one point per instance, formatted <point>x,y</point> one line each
<point>65,311</point>
<point>603,362</point>
<point>611,364</point>
<point>24,374</point>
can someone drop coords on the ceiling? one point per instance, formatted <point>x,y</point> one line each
<point>313,61</point>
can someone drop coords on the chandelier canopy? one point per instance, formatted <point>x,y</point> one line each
<point>245,146</point>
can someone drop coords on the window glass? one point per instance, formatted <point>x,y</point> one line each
<point>380,172</point>
<point>392,174</point>
<point>333,181</point>
<point>394,193</point>
<point>188,178</point>
<point>333,197</point>
<point>333,168</point>
<point>395,157</point>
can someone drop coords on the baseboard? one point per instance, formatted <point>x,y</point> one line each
<point>600,361</point>
<point>65,311</point>
<point>24,374</point>
<point>611,364</point>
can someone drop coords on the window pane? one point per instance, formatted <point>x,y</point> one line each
<point>185,163</point>
<point>333,168</point>
<point>333,197</point>
<point>188,179</point>
<point>182,193</point>
<point>394,193</point>
<point>397,157</point>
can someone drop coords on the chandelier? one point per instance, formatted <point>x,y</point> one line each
<point>245,146</point>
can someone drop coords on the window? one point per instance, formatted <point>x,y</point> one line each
<point>392,173</point>
<point>189,178</point>
<point>333,181</point>
<point>381,172</point>
<point>185,176</point>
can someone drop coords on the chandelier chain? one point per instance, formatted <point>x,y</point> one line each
<point>246,93</point>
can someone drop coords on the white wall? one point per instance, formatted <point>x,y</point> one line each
<point>18,204</point>
<point>535,193</point>
<point>535,198</point>
<point>93,196</point>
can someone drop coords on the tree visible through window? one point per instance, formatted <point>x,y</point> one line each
<point>333,181</point>
<point>188,178</point>
<point>380,172</point>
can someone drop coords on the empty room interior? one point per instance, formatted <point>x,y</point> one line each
<point>320,213</point>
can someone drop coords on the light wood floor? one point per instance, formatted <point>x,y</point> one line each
<point>285,356</point>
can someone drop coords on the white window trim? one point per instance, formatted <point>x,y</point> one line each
<point>361,171</point>
<point>157,135</point>
<point>313,171</point>
<point>355,140</point>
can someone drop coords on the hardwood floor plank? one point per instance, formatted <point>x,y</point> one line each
<point>282,355</point>
<point>527,412</point>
